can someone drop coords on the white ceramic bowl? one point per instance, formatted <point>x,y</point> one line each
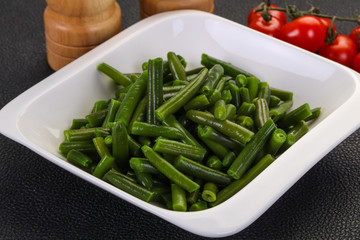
<point>38,117</point>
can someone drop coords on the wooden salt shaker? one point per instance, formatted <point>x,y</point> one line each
<point>74,27</point>
<point>151,7</point>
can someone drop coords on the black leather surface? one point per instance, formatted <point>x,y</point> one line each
<point>39,200</point>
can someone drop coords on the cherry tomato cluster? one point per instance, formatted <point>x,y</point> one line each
<point>311,33</point>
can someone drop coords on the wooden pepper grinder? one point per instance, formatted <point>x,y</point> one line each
<point>151,7</point>
<point>74,27</point>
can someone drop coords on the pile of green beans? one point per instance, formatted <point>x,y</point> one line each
<point>186,139</point>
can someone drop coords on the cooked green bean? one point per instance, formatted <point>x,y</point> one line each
<point>211,134</point>
<point>228,159</point>
<point>246,109</point>
<point>120,146</point>
<point>200,171</point>
<point>105,164</point>
<point>154,88</point>
<point>295,116</point>
<point>96,119</point>
<point>178,197</point>
<point>244,94</point>
<point>142,165</point>
<point>99,105</point>
<point>214,162</point>
<point>274,101</point>
<point>280,110</point>
<point>122,182</point>
<point>237,185</point>
<point>114,74</point>
<point>220,110</point>
<point>152,130</point>
<point>198,206</point>
<point>113,108</point>
<point>176,68</point>
<point>261,112</point>
<point>144,179</point>
<point>245,121</point>
<point>253,86</point>
<point>277,139</point>
<point>209,192</point>
<point>193,197</point>
<point>230,111</point>
<point>173,147</point>
<point>229,69</point>
<point>226,127</point>
<point>197,102</point>
<point>79,159</point>
<point>139,112</point>
<point>187,137</point>
<point>246,157</point>
<point>235,93</point>
<point>282,94</point>
<point>169,170</point>
<point>77,123</point>
<point>315,113</point>
<point>264,91</point>
<point>214,76</point>
<point>133,96</point>
<point>182,97</point>
<point>82,146</point>
<point>241,80</point>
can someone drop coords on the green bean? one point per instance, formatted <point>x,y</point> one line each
<point>82,146</point>
<point>166,197</point>
<point>193,197</point>
<point>120,181</point>
<point>97,118</point>
<point>237,185</point>
<point>214,75</point>
<point>229,69</point>
<point>200,171</point>
<point>133,96</point>
<point>142,165</point>
<point>248,154</point>
<point>154,89</point>
<point>295,116</point>
<point>226,96</point>
<point>85,134</point>
<point>277,139</point>
<point>197,102</point>
<point>134,147</point>
<point>114,74</point>
<point>220,110</point>
<point>178,198</point>
<point>108,141</point>
<point>99,105</point>
<point>173,147</point>
<point>211,134</point>
<point>216,148</point>
<point>230,111</point>
<point>235,93</point>
<point>228,159</point>
<point>139,112</point>
<point>176,68</point>
<point>214,97</point>
<point>299,130</point>
<point>279,111</point>
<point>264,91</point>
<point>253,86</point>
<point>214,162</point>
<point>241,80</point>
<point>120,146</point>
<point>79,159</point>
<point>209,192</point>
<point>169,170</point>
<point>169,89</point>
<point>274,101</point>
<point>244,94</point>
<point>315,113</point>
<point>152,130</point>
<point>113,108</point>
<point>143,140</point>
<point>226,127</point>
<point>144,179</point>
<point>245,121</point>
<point>246,109</point>
<point>261,112</point>
<point>100,146</point>
<point>105,164</point>
<point>282,94</point>
<point>121,91</point>
<point>181,98</point>
<point>187,137</point>
<point>77,123</point>
<point>198,206</point>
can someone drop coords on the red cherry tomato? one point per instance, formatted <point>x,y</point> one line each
<point>342,50</point>
<point>307,32</point>
<point>327,24</point>
<point>271,28</point>
<point>356,63</point>
<point>274,13</point>
<point>355,36</point>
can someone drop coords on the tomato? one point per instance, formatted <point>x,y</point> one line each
<point>355,36</point>
<point>327,24</point>
<point>274,13</point>
<point>307,32</point>
<point>271,28</point>
<point>342,50</point>
<point>356,63</point>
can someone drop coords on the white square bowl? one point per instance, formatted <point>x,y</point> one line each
<point>38,117</point>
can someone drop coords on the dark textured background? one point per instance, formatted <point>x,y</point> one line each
<point>39,200</point>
